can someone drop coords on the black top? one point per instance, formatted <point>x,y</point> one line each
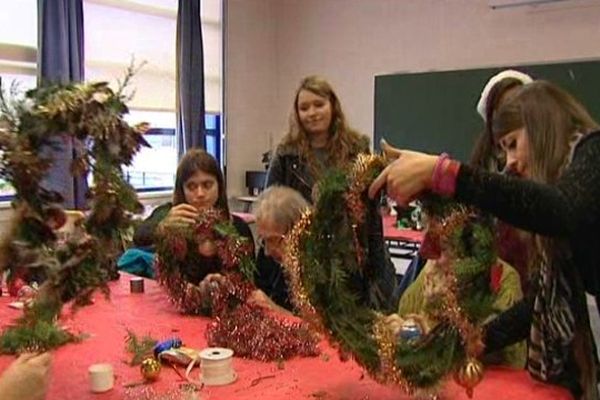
<point>568,210</point>
<point>569,213</point>
<point>270,279</point>
<point>145,231</point>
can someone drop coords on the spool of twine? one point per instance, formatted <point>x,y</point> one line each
<point>216,367</point>
<point>136,285</point>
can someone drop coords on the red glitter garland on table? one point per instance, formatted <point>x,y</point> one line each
<point>251,331</point>
<point>248,329</point>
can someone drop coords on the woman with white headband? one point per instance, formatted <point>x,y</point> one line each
<point>514,245</point>
<point>496,91</point>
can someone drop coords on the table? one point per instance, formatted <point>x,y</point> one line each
<point>403,243</point>
<point>324,377</point>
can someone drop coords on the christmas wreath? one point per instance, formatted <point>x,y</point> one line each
<point>92,114</point>
<point>416,358</point>
<point>245,327</point>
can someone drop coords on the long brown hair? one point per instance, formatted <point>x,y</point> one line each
<point>343,143</point>
<point>551,118</point>
<point>195,160</point>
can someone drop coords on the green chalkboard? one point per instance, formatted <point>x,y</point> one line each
<point>435,111</point>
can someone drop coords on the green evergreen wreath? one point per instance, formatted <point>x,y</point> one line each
<point>92,114</point>
<point>325,247</point>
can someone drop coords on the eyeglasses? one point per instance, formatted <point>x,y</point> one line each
<point>271,240</point>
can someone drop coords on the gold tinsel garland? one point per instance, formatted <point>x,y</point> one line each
<point>388,373</point>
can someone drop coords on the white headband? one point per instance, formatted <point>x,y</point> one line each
<point>508,73</point>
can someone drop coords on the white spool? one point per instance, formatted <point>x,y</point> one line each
<point>216,366</point>
<point>102,377</point>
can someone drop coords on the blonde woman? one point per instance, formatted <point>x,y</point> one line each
<point>319,139</point>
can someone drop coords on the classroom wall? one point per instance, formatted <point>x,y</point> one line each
<point>351,41</point>
<point>250,86</point>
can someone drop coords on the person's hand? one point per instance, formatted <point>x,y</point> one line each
<point>26,378</point>
<point>405,177</point>
<point>389,152</point>
<point>394,323</point>
<point>435,282</point>
<point>260,298</point>
<point>181,214</point>
<point>211,282</point>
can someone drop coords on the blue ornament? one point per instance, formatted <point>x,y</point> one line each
<point>168,344</point>
<point>410,330</point>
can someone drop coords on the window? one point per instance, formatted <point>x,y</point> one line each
<point>212,124</point>
<point>18,43</point>
<point>145,31</point>
<point>117,32</point>
<point>146,174</point>
<point>154,168</point>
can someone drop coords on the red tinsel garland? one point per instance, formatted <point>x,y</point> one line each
<point>251,331</point>
<point>246,328</point>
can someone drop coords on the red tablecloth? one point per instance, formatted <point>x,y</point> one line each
<point>390,232</point>
<point>323,377</point>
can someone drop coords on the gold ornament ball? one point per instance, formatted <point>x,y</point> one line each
<point>207,248</point>
<point>150,369</point>
<point>469,375</point>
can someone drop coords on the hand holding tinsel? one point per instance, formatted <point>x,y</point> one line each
<point>210,283</point>
<point>251,331</point>
<point>246,328</point>
<point>211,237</point>
<point>408,328</point>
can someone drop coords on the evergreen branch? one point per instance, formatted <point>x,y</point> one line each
<point>139,348</point>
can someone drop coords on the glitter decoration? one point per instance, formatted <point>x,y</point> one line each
<point>469,375</point>
<point>246,328</point>
<point>150,369</point>
<point>146,392</point>
<point>251,332</point>
<point>419,358</point>
<point>410,330</point>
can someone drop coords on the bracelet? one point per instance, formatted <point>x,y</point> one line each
<point>438,169</point>
<point>444,176</point>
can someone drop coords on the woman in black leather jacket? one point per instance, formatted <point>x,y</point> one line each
<point>319,139</point>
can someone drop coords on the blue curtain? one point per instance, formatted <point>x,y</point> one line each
<point>190,77</point>
<point>60,60</point>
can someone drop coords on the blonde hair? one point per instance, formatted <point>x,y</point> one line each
<point>552,118</point>
<point>343,144</point>
<point>280,205</point>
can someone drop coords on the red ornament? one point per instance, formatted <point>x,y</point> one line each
<point>430,247</point>
<point>14,286</point>
<point>495,277</point>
